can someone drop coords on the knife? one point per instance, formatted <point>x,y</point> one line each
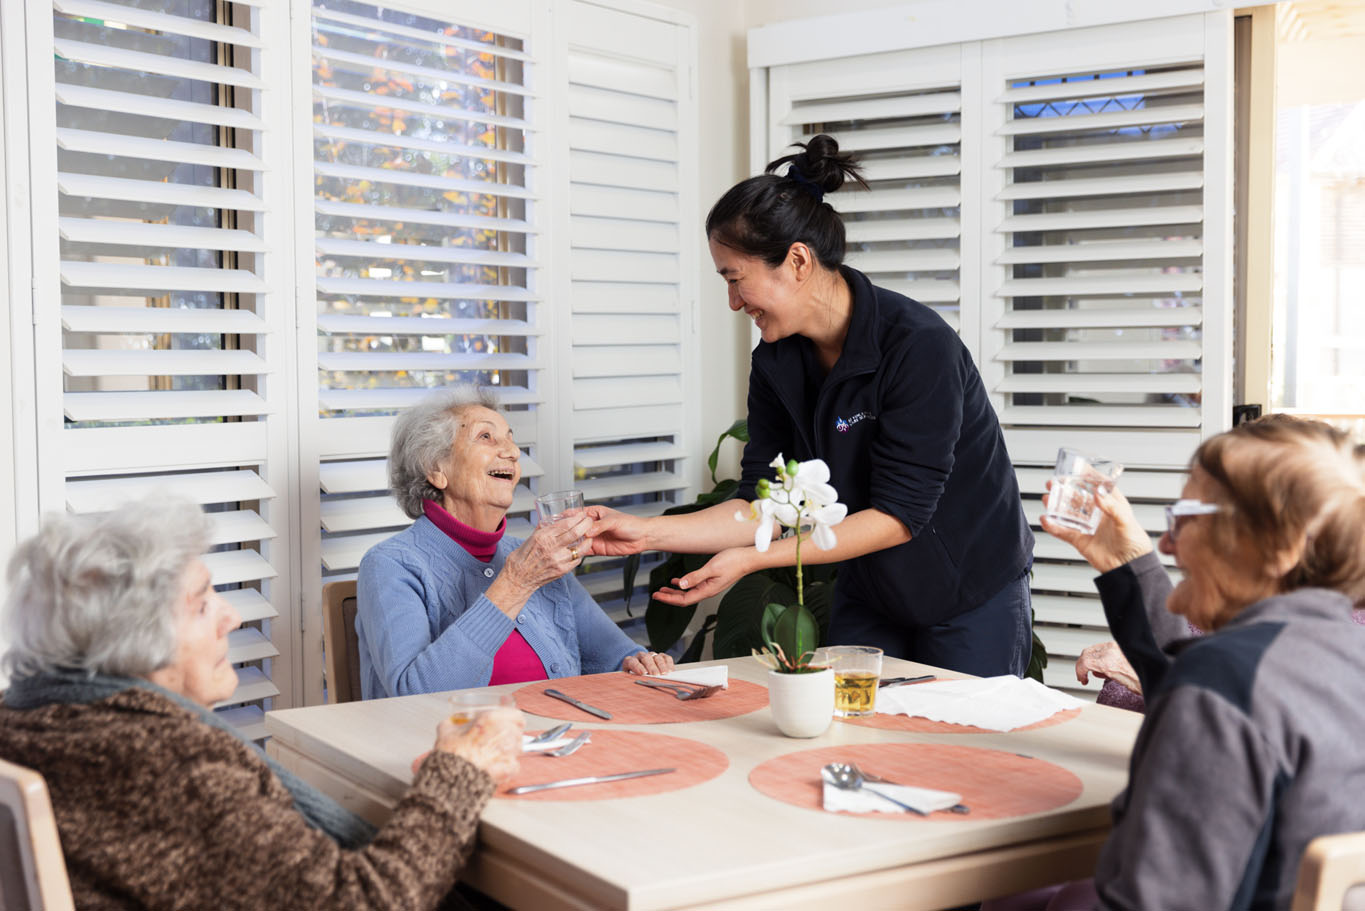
<point>592,779</point>
<point>898,681</point>
<point>591,710</point>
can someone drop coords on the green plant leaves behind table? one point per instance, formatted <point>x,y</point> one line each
<point>740,615</point>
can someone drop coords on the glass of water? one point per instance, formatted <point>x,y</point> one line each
<point>1078,480</point>
<point>559,506</point>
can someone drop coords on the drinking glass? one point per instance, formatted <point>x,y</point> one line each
<point>1077,481</point>
<point>857,668</point>
<point>560,505</point>
<point>465,707</point>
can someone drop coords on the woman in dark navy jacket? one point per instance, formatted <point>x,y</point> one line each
<point>936,548</point>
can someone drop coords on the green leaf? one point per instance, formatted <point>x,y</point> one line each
<point>665,623</point>
<point>740,431</point>
<point>739,616</point>
<point>629,568</point>
<point>694,650</point>
<point>794,628</point>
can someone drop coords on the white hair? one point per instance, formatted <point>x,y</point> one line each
<point>98,592</point>
<point>422,437</point>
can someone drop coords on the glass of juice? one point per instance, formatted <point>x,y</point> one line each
<point>466,706</point>
<point>857,668</point>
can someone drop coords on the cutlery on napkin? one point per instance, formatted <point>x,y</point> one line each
<point>924,800</point>
<point>718,675</point>
<point>530,745</point>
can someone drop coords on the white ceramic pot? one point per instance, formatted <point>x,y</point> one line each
<point>802,704</point>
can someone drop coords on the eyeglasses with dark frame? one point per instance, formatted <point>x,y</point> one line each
<point>1183,509</point>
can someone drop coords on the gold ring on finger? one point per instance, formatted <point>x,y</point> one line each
<point>573,552</point>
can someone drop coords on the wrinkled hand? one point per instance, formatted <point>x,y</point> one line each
<point>642,663</point>
<point>1118,540</point>
<point>615,533</point>
<point>1106,661</point>
<point>492,742</point>
<point>721,571</point>
<point>549,552</point>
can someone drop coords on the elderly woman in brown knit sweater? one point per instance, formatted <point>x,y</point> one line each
<point>118,649</point>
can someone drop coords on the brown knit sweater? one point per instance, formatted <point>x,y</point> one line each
<point>158,810</point>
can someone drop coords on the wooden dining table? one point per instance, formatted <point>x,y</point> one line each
<point>717,840</point>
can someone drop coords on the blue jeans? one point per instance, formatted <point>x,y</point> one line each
<point>993,639</point>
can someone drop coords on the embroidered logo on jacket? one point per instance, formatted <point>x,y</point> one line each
<point>842,425</point>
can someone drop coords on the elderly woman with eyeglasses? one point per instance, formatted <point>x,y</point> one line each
<point>118,652</point>
<point>1250,744</point>
<point>450,602</point>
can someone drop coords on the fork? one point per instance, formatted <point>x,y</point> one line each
<point>680,692</point>
<point>877,779</point>
<point>569,747</point>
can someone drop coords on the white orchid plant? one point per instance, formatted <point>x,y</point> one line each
<point>802,500</point>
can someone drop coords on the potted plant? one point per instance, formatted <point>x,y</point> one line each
<point>800,693</point>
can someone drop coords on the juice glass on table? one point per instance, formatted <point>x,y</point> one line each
<point>857,668</point>
<point>465,707</point>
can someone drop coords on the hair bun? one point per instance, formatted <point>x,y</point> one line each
<point>821,163</point>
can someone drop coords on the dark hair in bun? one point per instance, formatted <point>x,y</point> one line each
<point>764,215</point>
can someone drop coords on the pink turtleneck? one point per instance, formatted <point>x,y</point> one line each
<point>516,661</point>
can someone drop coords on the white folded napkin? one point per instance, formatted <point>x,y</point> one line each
<point>528,747</point>
<point>925,800</point>
<point>995,703</point>
<point>716,675</point>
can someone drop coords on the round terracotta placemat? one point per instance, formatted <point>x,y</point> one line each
<point>629,703</point>
<point>993,783</point>
<point>916,725</point>
<point>620,751</point>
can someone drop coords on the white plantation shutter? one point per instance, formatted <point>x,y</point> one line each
<point>1106,300</point>
<point>420,249</point>
<point>902,114</point>
<point>159,319</point>
<point>625,311</point>
<point>1092,175</point>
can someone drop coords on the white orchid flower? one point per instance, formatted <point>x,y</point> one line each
<point>772,512</point>
<point>821,521</point>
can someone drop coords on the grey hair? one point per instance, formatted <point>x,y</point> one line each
<point>422,437</point>
<point>98,592</point>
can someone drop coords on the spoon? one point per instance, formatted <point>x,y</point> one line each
<point>868,776</point>
<point>571,746</point>
<point>680,692</point>
<point>849,778</point>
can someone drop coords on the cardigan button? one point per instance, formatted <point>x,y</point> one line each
<point>488,571</point>
<point>520,618</point>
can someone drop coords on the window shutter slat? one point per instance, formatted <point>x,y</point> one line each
<point>170,194</point>
<point>1108,86</point>
<point>160,363</point>
<point>159,22</point>
<point>156,149</point>
<point>147,406</point>
<point>125,235</point>
<point>368,102</point>
<point>422,217</point>
<point>203,487</point>
<point>126,320</point>
<point>126,276</point>
<point>149,106</point>
<point>137,61</point>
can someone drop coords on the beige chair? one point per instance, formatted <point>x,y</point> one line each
<point>339,641</point>
<point>32,871</point>
<point>1332,874</point>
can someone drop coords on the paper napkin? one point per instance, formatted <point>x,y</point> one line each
<point>716,675</point>
<point>838,800</point>
<point>995,703</point>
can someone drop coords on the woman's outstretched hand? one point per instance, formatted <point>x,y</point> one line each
<point>615,533</point>
<point>720,572</point>
<point>1118,540</point>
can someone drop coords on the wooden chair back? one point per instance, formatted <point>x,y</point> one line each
<point>32,870</point>
<point>1332,874</point>
<point>340,644</point>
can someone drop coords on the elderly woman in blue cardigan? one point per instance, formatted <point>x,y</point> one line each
<point>451,602</point>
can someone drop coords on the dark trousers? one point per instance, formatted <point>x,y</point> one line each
<point>993,639</point>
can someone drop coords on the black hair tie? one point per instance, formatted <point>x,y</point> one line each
<point>794,174</point>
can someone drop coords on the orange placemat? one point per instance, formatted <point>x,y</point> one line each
<point>993,783</point>
<point>620,751</point>
<point>631,704</point>
<point>917,725</point>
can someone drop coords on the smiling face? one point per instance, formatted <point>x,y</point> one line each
<point>200,670</point>
<point>479,476</point>
<point>1220,576</point>
<point>768,295</point>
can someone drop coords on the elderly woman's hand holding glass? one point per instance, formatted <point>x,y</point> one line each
<point>119,650</point>
<point>451,602</point>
